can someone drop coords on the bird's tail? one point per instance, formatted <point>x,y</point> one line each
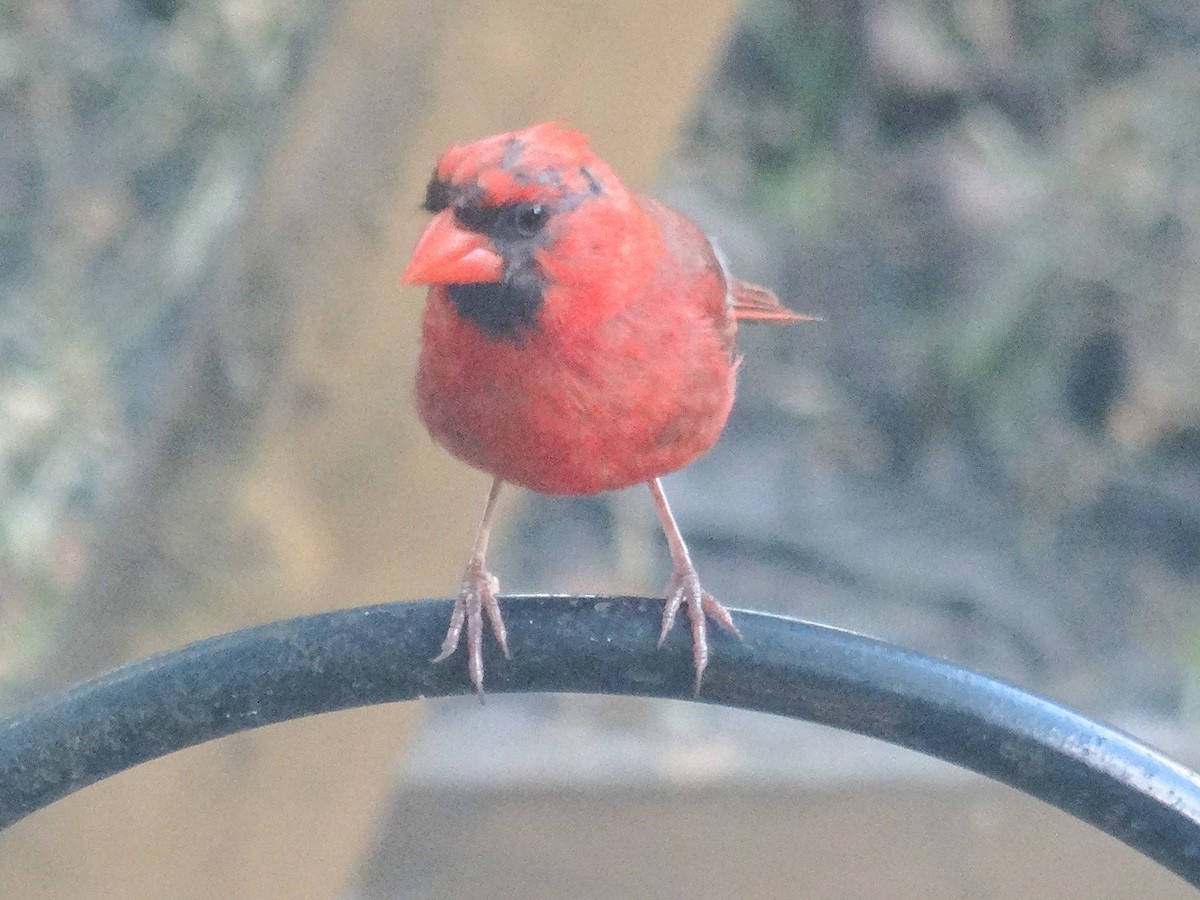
<point>754,303</point>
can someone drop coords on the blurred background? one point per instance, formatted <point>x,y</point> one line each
<point>988,450</point>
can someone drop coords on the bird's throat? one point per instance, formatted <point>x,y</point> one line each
<point>504,310</point>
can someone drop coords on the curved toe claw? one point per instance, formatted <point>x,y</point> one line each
<point>477,598</point>
<point>684,590</point>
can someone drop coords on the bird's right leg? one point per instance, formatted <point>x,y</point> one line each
<point>477,598</point>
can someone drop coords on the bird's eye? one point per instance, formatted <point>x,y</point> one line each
<point>507,222</point>
<point>531,219</point>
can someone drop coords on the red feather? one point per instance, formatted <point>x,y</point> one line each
<point>754,303</point>
<point>577,338</point>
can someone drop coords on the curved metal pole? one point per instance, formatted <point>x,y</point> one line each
<point>379,654</point>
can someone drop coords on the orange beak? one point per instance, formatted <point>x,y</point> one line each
<point>447,253</point>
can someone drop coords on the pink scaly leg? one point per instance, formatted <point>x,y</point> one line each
<point>476,599</point>
<point>684,589</point>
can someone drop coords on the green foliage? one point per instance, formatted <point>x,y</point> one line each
<point>127,140</point>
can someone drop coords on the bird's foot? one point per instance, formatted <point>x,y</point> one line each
<point>477,597</point>
<point>684,590</point>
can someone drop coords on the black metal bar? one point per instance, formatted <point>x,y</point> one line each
<point>379,654</point>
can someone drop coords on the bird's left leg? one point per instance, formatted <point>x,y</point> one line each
<point>476,599</point>
<point>684,589</point>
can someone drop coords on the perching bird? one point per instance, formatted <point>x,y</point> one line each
<point>578,338</point>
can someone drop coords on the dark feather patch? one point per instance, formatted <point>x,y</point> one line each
<point>594,184</point>
<point>437,195</point>
<point>502,310</point>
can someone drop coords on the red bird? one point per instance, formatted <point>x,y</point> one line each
<point>578,338</point>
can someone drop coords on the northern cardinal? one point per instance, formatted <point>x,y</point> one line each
<point>578,338</point>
